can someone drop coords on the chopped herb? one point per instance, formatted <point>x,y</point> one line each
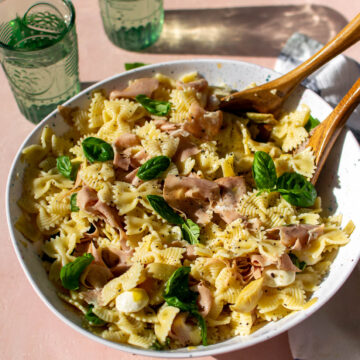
<point>264,171</point>
<point>73,204</point>
<point>190,231</point>
<point>92,318</point>
<point>134,65</point>
<point>177,293</point>
<point>156,107</point>
<point>311,124</point>
<point>299,264</point>
<point>153,168</point>
<point>96,149</point>
<point>71,272</point>
<point>66,168</point>
<point>164,210</point>
<point>296,190</point>
<point>293,187</point>
<point>157,346</point>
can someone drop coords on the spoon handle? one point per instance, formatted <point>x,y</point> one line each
<point>348,36</point>
<point>324,135</point>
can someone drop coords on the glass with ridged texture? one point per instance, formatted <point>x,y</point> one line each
<point>39,54</point>
<point>132,24</point>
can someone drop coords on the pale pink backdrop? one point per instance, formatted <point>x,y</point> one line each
<point>28,329</point>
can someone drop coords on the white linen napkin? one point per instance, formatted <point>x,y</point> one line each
<point>331,82</point>
<point>333,332</point>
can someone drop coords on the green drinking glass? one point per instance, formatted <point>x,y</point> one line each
<point>39,54</point>
<point>132,24</point>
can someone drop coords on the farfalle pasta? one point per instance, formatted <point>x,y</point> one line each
<point>168,223</point>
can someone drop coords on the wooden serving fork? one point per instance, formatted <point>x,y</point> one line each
<point>269,97</point>
<point>323,137</point>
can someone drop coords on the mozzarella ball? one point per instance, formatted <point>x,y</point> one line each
<point>132,300</point>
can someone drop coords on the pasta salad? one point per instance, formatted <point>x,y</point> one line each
<point>168,223</point>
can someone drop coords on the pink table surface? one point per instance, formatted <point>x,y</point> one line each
<point>29,330</point>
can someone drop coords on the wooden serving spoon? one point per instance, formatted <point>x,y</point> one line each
<point>269,97</point>
<point>323,137</point>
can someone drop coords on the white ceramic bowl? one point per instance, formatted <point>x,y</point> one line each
<point>338,186</point>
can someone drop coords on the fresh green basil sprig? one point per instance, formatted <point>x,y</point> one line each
<point>71,272</point>
<point>153,168</point>
<point>177,293</point>
<point>189,229</point>
<point>66,168</point>
<point>156,107</point>
<point>73,203</point>
<point>134,65</point>
<point>293,187</point>
<point>96,149</point>
<point>92,318</point>
<point>311,124</point>
<point>299,264</point>
<point>296,190</point>
<point>264,172</point>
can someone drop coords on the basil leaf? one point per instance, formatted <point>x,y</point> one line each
<point>65,167</point>
<point>177,293</point>
<point>96,149</point>
<point>156,107</point>
<point>153,167</point>
<point>157,346</point>
<point>134,65</point>
<point>190,231</point>
<point>311,124</point>
<point>203,327</point>
<point>164,210</point>
<point>296,190</point>
<point>299,264</point>
<point>264,171</point>
<point>73,204</point>
<point>92,318</point>
<point>71,272</point>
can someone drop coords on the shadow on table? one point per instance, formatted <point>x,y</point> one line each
<point>275,349</point>
<point>247,31</point>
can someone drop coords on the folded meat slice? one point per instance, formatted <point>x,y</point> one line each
<point>231,190</point>
<point>122,159</point>
<point>145,86</point>
<point>296,237</point>
<point>197,85</point>
<point>259,262</point>
<point>203,124</point>
<point>165,125</point>
<point>184,332</point>
<point>185,149</point>
<point>132,179</point>
<point>127,140</point>
<point>97,274</point>
<point>191,196</point>
<point>205,299</point>
<point>285,263</point>
<point>117,260</point>
<point>87,200</point>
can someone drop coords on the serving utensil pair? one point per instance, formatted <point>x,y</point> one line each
<point>269,97</point>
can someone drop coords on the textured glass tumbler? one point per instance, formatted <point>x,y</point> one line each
<point>39,54</point>
<point>132,24</point>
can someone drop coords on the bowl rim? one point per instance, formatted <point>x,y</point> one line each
<point>197,352</point>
